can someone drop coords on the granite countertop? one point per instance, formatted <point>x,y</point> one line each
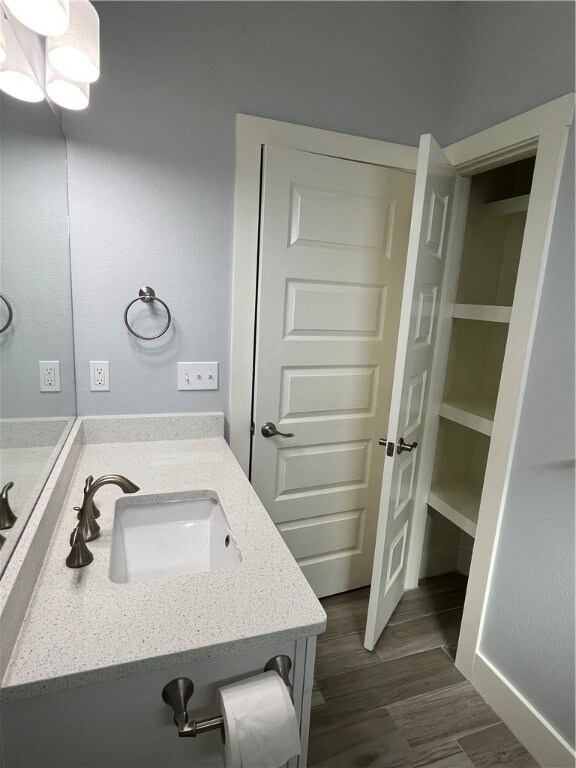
<point>81,627</point>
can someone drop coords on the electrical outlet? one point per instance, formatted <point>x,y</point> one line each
<point>197,376</point>
<point>49,375</point>
<point>99,376</point>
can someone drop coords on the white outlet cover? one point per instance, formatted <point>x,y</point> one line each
<point>49,371</point>
<point>99,376</point>
<point>197,376</point>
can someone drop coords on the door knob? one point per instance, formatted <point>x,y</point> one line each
<point>402,446</point>
<point>268,429</point>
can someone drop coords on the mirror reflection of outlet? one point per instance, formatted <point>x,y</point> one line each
<point>49,375</point>
<point>99,376</point>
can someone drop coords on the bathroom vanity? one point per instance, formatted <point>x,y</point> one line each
<point>84,667</point>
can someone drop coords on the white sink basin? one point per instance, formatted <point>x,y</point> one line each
<point>161,536</point>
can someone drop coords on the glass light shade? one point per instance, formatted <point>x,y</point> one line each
<point>76,54</point>
<point>17,77</point>
<point>67,93</point>
<point>47,17</point>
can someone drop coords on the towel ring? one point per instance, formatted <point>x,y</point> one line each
<point>147,295</point>
<point>10,313</point>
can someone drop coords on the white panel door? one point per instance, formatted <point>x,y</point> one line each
<point>333,242</point>
<point>433,196</point>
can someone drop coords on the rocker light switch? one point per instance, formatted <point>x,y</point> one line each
<point>197,376</point>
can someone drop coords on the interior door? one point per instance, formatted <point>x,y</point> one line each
<point>427,247</point>
<point>333,243</point>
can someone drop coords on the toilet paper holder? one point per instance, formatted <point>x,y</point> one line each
<point>178,692</point>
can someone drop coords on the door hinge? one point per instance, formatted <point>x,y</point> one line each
<point>252,428</point>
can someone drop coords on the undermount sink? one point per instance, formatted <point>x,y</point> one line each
<point>160,536</point>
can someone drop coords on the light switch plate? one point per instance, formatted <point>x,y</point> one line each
<point>49,375</point>
<point>197,376</point>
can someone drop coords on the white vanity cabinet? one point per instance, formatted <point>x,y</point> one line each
<point>124,723</point>
<point>82,684</point>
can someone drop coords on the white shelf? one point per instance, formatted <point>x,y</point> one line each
<point>458,503</point>
<point>506,207</point>
<point>490,313</point>
<point>474,414</point>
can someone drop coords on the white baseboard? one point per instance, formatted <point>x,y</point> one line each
<point>528,725</point>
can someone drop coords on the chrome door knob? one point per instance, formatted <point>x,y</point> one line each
<point>268,429</point>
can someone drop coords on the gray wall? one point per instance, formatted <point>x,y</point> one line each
<point>529,631</point>
<point>152,160</point>
<point>508,58</point>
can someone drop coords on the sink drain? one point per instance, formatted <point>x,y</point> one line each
<point>227,540</point>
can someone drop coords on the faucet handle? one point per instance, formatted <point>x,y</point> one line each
<point>87,522</point>
<point>87,484</point>
<point>79,555</point>
<point>7,517</point>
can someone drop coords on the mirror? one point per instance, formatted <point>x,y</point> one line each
<point>35,281</point>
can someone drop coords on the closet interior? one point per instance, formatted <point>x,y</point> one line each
<point>480,315</point>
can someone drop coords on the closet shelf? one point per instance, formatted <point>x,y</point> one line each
<point>490,313</point>
<point>506,207</point>
<point>476,414</point>
<point>458,503</point>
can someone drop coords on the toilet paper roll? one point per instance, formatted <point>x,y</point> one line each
<point>260,725</point>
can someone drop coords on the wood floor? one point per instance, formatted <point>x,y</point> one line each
<point>405,705</point>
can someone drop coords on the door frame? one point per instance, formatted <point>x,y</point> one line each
<point>252,133</point>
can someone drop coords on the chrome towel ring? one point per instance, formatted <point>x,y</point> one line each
<point>10,314</point>
<point>147,295</point>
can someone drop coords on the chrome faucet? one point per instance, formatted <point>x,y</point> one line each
<point>7,517</point>
<point>88,528</point>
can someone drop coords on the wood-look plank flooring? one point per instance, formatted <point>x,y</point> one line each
<point>404,705</point>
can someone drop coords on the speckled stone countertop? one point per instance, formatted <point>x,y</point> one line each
<point>81,627</point>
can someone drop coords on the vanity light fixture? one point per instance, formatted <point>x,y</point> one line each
<point>62,62</point>
<point>17,77</point>
<point>46,17</point>
<point>76,53</point>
